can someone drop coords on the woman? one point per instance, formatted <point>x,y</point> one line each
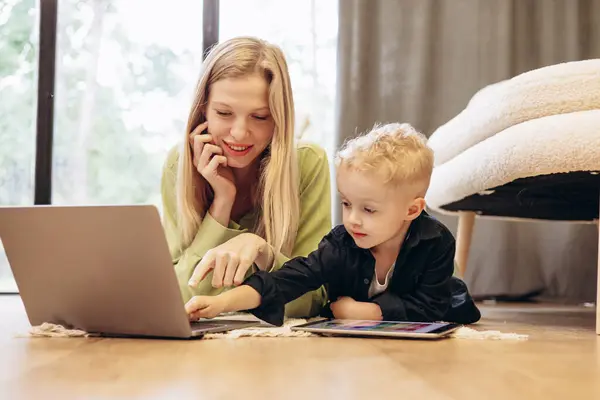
<point>239,183</point>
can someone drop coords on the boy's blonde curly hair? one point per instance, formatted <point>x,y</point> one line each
<point>395,151</point>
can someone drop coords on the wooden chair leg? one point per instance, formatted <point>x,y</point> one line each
<point>466,222</point>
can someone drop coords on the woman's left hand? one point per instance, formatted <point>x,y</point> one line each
<point>231,260</point>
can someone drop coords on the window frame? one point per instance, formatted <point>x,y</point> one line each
<point>46,86</point>
<point>46,68</point>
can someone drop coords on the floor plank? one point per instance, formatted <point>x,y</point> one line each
<point>560,360</point>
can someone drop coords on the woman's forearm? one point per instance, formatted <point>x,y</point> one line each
<point>220,211</point>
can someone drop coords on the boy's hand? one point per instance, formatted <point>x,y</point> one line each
<point>204,307</point>
<point>348,308</point>
<point>342,307</point>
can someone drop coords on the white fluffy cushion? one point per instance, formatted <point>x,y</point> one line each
<point>553,144</point>
<point>557,89</point>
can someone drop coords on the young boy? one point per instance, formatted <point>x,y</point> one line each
<point>389,260</point>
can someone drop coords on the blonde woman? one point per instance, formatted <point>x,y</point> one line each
<point>239,194</point>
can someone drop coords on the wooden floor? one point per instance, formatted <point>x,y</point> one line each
<point>561,360</point>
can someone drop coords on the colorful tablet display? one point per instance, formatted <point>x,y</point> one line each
<point>379,326</point>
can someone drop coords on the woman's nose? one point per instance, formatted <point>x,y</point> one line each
<point>239,130</point>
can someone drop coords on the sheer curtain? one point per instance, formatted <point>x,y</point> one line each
<point>420,61</point>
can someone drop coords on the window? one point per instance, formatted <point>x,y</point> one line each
<point>18,82</point>
<point>306,31</point>
<point>125,75</point>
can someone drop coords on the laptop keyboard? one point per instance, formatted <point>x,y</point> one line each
<point>221,325</point>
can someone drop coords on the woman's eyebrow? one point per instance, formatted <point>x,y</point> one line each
<point>221,104</point>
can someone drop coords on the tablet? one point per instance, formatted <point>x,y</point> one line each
<point>389,329</point>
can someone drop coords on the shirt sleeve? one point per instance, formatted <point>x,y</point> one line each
<point>315,223</point>
<point>432,297</point>
<point>210,234</point>
<point>295,278</point>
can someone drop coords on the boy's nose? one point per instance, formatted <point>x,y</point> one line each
<point>354,219</point>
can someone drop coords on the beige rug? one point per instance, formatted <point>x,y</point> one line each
<point>285,331</point>
<point>52,330</point>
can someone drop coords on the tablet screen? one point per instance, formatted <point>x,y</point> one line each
<point>379,326</point>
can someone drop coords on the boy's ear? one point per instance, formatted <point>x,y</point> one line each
<point>416,207</point>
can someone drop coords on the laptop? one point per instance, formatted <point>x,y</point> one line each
<point>381,329</point>
<point>104,269</point>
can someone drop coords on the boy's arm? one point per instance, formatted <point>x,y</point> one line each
<point>240,298</point>
<point>297,277</point>
<point>432,297</point>
<point>265,294</point>
<point>348,308</point>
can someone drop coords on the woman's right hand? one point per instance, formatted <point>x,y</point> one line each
<point>210,162</point>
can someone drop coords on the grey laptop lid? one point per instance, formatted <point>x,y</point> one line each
<point>104,269</point>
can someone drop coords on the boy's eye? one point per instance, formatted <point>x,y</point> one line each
<point>369,210</point>
<point>345,204</point>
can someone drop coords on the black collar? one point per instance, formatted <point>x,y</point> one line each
<point>424,227</point>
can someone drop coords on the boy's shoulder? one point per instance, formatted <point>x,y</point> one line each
<point>431,227</point>
<point>428,230</point>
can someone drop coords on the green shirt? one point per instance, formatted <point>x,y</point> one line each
<point>315,223</point>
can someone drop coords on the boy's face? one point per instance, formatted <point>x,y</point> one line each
<point>375,213</point>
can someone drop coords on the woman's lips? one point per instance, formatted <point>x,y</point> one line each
<point>237,150</point>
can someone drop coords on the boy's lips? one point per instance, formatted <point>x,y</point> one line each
<point>359,234</point>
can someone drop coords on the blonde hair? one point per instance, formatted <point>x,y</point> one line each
<point>396,152</point>
<point>278,184</point>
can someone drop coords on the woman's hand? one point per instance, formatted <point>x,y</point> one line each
<point>231,260</point>
<point>210,162</point>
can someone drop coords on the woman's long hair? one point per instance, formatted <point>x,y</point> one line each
<point>278,190</point>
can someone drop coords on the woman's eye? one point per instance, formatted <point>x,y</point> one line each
<point>261,118</point>
<point>223,113</point>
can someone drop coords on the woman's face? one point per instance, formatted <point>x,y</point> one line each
<point>239,118</point>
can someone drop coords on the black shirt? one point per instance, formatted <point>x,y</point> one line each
<point>422,287</point>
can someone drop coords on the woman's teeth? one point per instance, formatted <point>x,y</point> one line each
<point>238,148</point>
